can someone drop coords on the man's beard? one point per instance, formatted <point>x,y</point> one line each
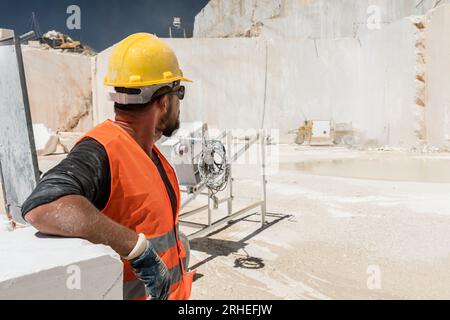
<point>171,127</point>
<point>170,130</point>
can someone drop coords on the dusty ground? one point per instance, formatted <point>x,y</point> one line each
<point>325,235</point>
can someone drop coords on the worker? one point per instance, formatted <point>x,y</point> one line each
<point>115,187</point>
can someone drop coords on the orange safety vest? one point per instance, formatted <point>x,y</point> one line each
<point>139,201</point>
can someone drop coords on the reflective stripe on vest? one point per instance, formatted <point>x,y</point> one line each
<point>133,290</point>
<point>164,242</point>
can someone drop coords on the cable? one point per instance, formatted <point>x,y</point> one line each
<point>213,166</point>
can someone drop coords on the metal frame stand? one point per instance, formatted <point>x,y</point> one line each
<point>205,229</point>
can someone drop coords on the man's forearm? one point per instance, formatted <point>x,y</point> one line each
<point>76,217</point>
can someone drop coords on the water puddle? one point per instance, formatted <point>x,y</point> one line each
<point>390,169</point>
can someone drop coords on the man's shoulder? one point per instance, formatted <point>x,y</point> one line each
<point>103,133</point>
<point>88,147</point>
<point>87,142</point>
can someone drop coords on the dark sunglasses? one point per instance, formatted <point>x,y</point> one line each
<point>180,91</point>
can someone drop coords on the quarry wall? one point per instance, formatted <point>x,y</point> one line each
<point>242,83</point>
<point>369,81</point>
<point>315,19</point>
<point>386,83</point>
<point>59,89</point>
<point>437,44</point>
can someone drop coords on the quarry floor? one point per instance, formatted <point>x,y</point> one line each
<point>326,235</point>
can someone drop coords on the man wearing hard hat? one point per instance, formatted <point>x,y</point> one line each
<point>115,187</point>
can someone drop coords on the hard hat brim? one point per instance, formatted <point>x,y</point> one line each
<point>186,80</point>
<point>144,84</point>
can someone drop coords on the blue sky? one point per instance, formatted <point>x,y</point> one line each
<point>103,22</point>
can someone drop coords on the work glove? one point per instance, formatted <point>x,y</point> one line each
<point>152,271</point>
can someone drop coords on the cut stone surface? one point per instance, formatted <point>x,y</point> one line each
<point>38,267</point>
<point>46,142</point>
<point>59,89</point>
<point>5,33</point>
<point>69,139</point>
<point>438,84</point>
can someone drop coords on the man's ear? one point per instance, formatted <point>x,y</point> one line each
<point>163,103</point>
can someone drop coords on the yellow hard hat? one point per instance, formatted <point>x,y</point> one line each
<point>142,60</point>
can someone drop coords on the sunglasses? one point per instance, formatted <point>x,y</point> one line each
<point>179,91</point>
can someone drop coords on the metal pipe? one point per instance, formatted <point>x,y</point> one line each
<point>264,182</point>
<point>230,178</point>
<point>193,224</point>
<point>247,146</point>
<point>209,209</point>
<point>193,196</point>
<point>195,211</point>
<point>222,221</point>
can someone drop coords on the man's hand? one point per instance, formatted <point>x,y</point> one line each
<point>151,270</point>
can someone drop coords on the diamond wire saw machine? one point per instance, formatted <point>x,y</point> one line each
<point>203,165</point>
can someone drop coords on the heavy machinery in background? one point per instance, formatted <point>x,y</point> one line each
<point>324,133</point>
<point>58,40</point>
<point>177,30</point>
<point>53,40</point>
<point>204,168</point>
